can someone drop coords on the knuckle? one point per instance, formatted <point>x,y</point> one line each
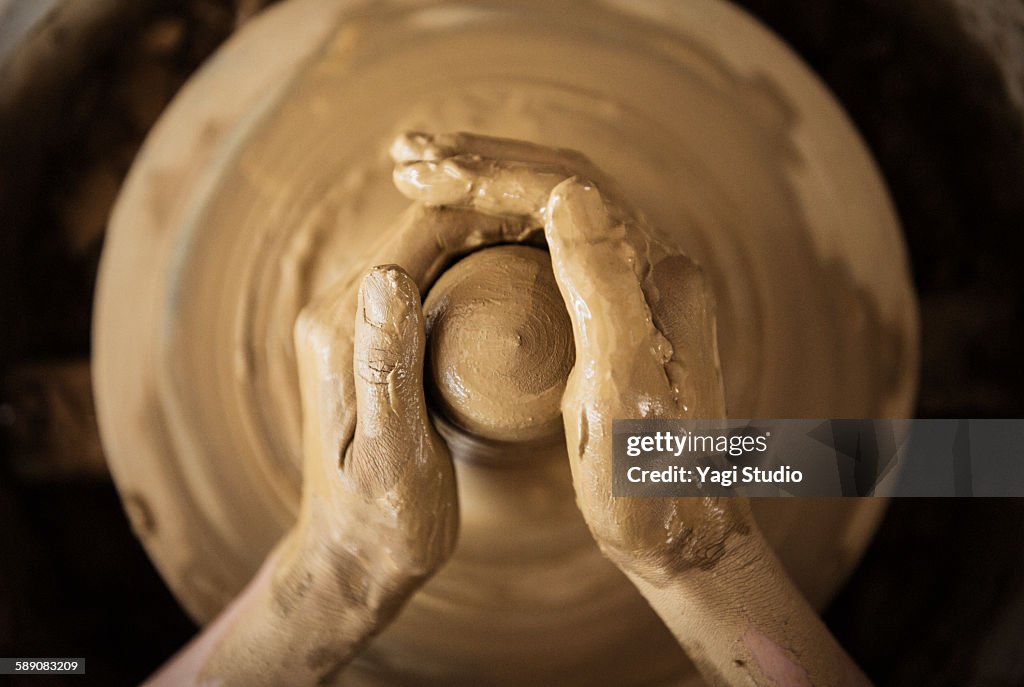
<point>658,539</point>
<point>378,364</point>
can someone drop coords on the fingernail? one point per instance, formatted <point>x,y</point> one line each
<point>580,207</point>
<point>376,296</point>
<point>411,146</point>
<point>386,295</point>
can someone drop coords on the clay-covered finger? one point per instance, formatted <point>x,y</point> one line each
<point>392,429</point>
<point>415,146</point>
<point>492,187</point>
<point>599,268</point>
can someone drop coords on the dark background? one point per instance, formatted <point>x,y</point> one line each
<point>939,598</point>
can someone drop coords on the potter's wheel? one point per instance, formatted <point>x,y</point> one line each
<point>263,185</point>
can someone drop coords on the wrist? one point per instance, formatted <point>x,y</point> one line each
<point>344,576</point>
<point>661,540</point>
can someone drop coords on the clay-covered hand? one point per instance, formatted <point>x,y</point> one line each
<point>378,482</point>
<point>642,319</point>
<point>644,330</point>
<point>379,511</point>
<point>635,359</point>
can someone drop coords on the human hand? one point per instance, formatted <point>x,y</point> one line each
<point>378,481</point>
<point>643,323</point>
<point>644,330</point>
<point>378,514</point>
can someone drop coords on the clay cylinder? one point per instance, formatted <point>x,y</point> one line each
<point>499,344</point>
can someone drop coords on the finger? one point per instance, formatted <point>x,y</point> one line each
<point>492,187</point>
<point>417,146</point>
<point>620,353</point>
<point>393,433</point>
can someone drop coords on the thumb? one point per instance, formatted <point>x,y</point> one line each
<point>597,261</point>
<point>392,431</point>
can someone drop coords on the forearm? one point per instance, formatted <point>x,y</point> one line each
<point>305,615</point>
<point>743,622</point>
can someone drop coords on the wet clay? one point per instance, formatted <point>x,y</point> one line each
<point>263,191</point>
<point>500,344</point>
